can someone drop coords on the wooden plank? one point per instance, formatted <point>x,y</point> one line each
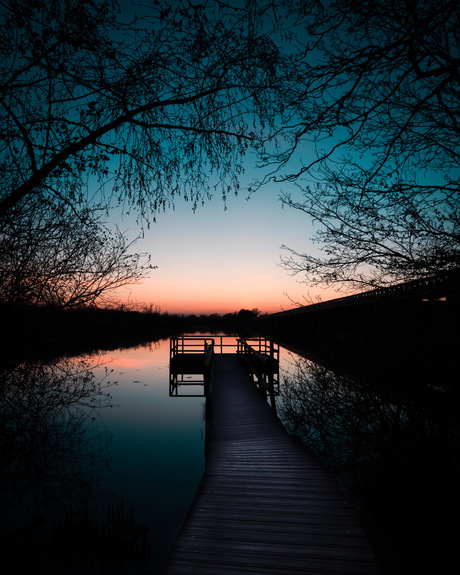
<point>266,505</point>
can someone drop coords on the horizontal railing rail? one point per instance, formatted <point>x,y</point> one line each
<point>262,364</point>
<point>190,354</point>
<point>183,344</point>
<point>222,344</point>
<point>260,345</point>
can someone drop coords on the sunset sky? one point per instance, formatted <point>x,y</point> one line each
<point>220,261</point>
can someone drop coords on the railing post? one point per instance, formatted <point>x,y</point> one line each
<point>207,369</point>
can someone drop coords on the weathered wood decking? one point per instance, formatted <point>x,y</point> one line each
<point>265,505</point>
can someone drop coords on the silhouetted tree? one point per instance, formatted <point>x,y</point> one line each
<point>49,255</point>
<point>151,106</point>
<point>53,449</point>
<point>246,314</point>
<point>51,440</point>
<point>378,140</point>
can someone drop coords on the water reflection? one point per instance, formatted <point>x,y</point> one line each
<point>395,448</point>
<point>52,449</point>
<point>157,448</point>
<point>98,465</point>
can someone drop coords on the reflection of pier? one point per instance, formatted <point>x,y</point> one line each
<point>265,504</point>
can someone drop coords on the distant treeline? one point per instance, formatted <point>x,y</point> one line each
<point>31,331</point>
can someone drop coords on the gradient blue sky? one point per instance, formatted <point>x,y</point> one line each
<point>220,261</point>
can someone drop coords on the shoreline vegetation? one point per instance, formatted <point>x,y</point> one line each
<point>31,332</point>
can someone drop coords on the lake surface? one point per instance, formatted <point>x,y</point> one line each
<point>157,442</point>
<point>389,443</point>
<point>100,465</point>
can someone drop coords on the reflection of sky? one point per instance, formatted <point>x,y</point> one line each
<point>219,261</point>
<point>157,448</point>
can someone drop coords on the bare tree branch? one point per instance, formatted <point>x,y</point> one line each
<point>381,108</point>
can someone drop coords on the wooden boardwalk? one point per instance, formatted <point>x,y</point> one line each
<point>265,505</point>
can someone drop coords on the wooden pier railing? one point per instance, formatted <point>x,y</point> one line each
<point>190,365</point>
<point>260,357</point>
<point>191,362</point>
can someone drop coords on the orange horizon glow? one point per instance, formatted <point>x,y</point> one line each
<point>219,261</point>
<point>174,301</point>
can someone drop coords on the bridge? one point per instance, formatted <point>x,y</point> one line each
<point>416,317</point>
<point>265,504</point>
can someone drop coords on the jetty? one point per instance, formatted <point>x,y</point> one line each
<point>266,505</point>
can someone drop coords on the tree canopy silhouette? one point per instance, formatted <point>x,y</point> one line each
<point>355,101</point>
<point>149,105</point>
<point>103,107</point>
<point>49,256</point>
<point>378,140</point>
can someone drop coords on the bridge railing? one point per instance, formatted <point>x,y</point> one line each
<point>261,358</point>
<point>191,361</point>
<point>261,345</point>
<point>190,365</point>
<point>189,345</point>
<point>195,344</point>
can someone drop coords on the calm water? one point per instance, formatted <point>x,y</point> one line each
<point>155,458</point>
<point>99,465</point>
<point>157,442</point>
